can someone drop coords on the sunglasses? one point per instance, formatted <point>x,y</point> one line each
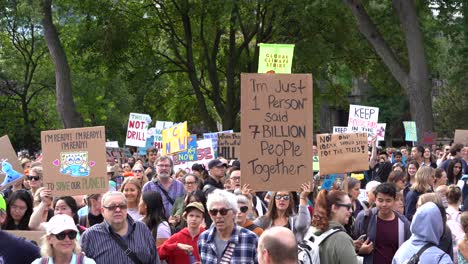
<point>138,171</point>
<point>36,178</point>
<point>115,206</point>
<point>222,211</point>
<point>348,206</point>
<point>279,196</point>
<point>62,235</point>
<point>244,209</point>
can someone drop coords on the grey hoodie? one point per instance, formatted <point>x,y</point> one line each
<point>427,227</point>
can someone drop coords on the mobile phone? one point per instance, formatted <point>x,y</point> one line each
<point>362,237</point>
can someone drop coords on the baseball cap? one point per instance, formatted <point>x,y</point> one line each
<point>196,205</point>
<point>59,223</point>
<point>216,163</point>
<point>2,203</point>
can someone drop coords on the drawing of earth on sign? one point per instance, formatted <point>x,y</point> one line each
<point>74,164</point>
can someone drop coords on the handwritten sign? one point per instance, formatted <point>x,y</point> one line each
<point>363,119</point>
<point>120,154</point>
<point>429,138</point>
<point>410,131</point>
<point>205,154</point>
<point>136,130</point>
<point>380,131</point>
<point>191,153</point>
<point>74,161</point>
<point>340,129</point>
<point>275,58</point>
<point>112,144</point>
<point>342,153</point>
<point>461,137</point>
<point>34,236</point>
<point>214,137</point>
<point>175,138</point>
<point>11,170</point>
<point>158,138</point>
<point>229,145</point>
<point>276,127</point>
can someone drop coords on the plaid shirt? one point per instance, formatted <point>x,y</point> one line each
<point>245,251</point>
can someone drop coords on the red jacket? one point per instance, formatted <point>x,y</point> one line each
<point>169,251</point>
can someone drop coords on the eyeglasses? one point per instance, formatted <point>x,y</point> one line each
<point>348,206</point>
<point>244,209</point>
<point>235,178</point>
<point>138,171</point>
<point>115,206</point>
<point>190,183</point>
<point>222,211</point>
<point>62,235</point>
<point>36,178</point>
<point>279,196</point>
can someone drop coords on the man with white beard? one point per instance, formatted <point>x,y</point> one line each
<point>164,184</point>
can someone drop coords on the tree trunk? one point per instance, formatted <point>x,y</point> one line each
<point>64,94</point>
<point>416,82</point>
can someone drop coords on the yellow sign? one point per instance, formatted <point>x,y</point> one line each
<point>175,139</point>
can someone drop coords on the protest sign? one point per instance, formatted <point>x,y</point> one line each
<point>112,144</point>
<point>410,131</point>
<point>328,182</point>
<point>342,153</point>
<point>275,58</point>
<point>74,161</point>
<point>11,170</point>
<point>160,126</point>
<point>340,129</point>
<point>363,119</point>
<point>136,130</point>
<point>191,153</point>
<point>316,163</point>
<point>175,138</point>
<point>119,154</point>
<point>229,145</point>
<point>461,137</point>
<point>214,137</point>
<point>380,131</point>
<point>205,154</point>
<point>429,138</point>
<point>276,127</point>
<point>34,236</point>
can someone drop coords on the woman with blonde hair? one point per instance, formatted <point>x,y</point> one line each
<point>139,173</point>
<point>59,245</point>
<point>131,188</point>
<point>423,183</point>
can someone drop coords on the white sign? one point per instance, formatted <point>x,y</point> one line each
<point>380,131</point>
<point>340,130</point>
<point>205,153</point>
<point>136,130</point>
<point>112,144</point>
<point>160,126</point>
<point>363,119</point>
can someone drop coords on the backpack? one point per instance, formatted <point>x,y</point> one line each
<point>309,248</point>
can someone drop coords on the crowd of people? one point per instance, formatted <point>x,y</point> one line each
<point>412,210</point>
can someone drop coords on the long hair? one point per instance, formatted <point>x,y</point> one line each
<point>273,210</point>
<point>135,182</point>
<point>48,251</point>
<point>412,162</point>
<point>452,178</point>
<point>323,207</point>
<point>26,197</point>
<point>70,201</point>
<point>155,212</point>
<point>422,179</point>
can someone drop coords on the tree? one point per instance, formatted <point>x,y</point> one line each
<point>414,78</point>
<point>64,94</point>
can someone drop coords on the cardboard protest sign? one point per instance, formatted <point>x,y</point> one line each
<point>136,130</point>
<point>342,153</point>
<point>363,119</point>
<point>160,126</point>
<point>175,138</point>
<point>275,58</point>
<point>214,137</point>
<point>276,127</point>
<point>191,153</point>
<point>340,129</point>
<point>410,131</point>
<point>11,170</point>
<point>429,138</point>
<point>461,137</point>
<point>380,131</point>
<point>34,236</point>
<point>74,161</point>
<point>229,145</point>
<point>205,154</point>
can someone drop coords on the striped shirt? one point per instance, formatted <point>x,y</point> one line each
<point>100,246</point>
<point>243,241</point>
<point>175,191</point>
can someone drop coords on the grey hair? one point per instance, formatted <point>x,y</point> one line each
<point>242,199</point>
<point>222,196</point>
<point>48,251</point>
<point>352,182</point>
<point>162,158</point>
<point>107,195</point>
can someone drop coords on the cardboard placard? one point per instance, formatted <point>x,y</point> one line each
<point>136,130</point>
<point>205,154</point>
<point>342,153</point>
<point>11,170</point>
<point>28,235</point>
<point>461,137</point>
<point>74,161</point>
<point>229,145</point>
<point>410,131</point>
<point>175,138</point>
<point>275,58</point>
<point>276,127</point>
<point>160,126</point>
<point>429,138</point>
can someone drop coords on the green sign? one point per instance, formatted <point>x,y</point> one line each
<point>315,164</point>
<point>275,58</point>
